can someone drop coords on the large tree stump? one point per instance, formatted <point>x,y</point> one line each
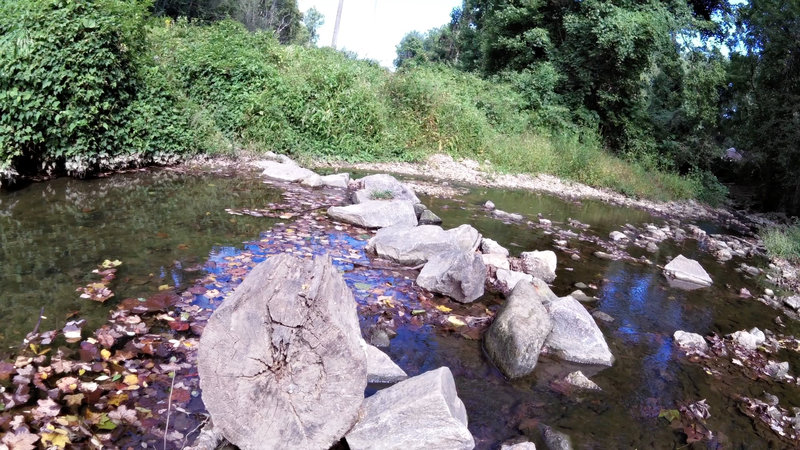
<point>280,361</point>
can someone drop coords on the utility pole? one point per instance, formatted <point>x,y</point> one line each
<point>336,26</point>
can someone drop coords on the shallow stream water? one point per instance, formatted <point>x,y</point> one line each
<point>166,226</point>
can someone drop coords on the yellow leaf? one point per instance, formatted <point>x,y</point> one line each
<point>455,321</point>
<point>163,287</point>
<point>443,308</point>
<point>81,372</point>
<point>105,353</point>
<point>131,379</point>
<point>58,438</point>
<point>108,264</point>
<point>118,399</point>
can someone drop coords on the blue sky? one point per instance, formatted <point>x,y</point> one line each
<point>372,28</point>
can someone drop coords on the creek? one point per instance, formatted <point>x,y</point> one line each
<point>171,228</point>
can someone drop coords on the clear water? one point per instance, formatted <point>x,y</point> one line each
<point>160,224</point>
<point>166,226</point>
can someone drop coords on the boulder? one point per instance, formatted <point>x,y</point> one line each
<point>427,217</point>
<point>792,302</point>
<point>575,336</point>
<point>312,181</point>
<point>541,265</point>
<point>508,279</point>
<point>336,180</point>
<point>617,236</point>
<point>284,351</point>
<point>777,370</point>
<point>682,268</point>
<point>383,186</point>
<point>457,274</point>
<point>749,340</point>
<point>555,440</point>
<point>690,341</point>
<point>415,245</point>
<point>423,412</point>
<point>506,216</point>
<point>284,171</point>
<point>578,381</point>
<point>381,368</point>
<point>376,214</point>
<point>496,260</point>
<point>519,331</point>
<point>491,247</point>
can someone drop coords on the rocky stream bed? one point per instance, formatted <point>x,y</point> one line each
<point>122,372</point>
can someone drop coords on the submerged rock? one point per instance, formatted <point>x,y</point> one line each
<point>580,296</point>
<point>690,341</point>
<point>383,187</point>
<point>684,269</point>
<point>420,412</point>
<point>519,331</point>
<point>518,444</point>
<point>575,336</point>
<point>489,205</point>
<point>416,245</point>
<point>381,368</point>
<point>604,317</point>
<point>541,265</point>
<point>376,214</point>
<point>457,274</point>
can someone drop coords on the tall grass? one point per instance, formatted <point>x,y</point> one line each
<point>782,242</point>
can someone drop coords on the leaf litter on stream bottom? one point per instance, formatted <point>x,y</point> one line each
<point>113,388</point>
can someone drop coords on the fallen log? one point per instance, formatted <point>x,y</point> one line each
<point>280,361</point>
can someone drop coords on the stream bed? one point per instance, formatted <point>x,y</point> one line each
<point>171,231</point>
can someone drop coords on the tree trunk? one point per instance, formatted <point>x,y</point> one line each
<point>280,362</point>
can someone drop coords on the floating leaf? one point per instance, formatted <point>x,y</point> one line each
<point>455,321</point>
<point>443,308</point>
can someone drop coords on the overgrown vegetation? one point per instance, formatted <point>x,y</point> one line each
<point>782,242</point>
<point>533,87</point>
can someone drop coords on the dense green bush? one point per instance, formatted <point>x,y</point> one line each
<point>76,92</point>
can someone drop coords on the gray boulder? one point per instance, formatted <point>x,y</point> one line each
<point>777,370</point>
<point>381,368</point>
<point>496,260</point>
<point>578,381</point>
<point>423,412</point>
<point>541,265</point>
<point>749,340</point>
<point>555,440</point>
<point>688,270</point>
<point>384,186</point>
<point>457,274</point>
<point>617,236</point>
<point>575,336</point>
<point>519,331</point>
<point>284,171</point>
<point>312,181</point>
<point>336,180</point>
<point>427,217</point>
<point>491,247</point>
<point>508,279</point>
<point>416,245</point>
<point>792,302</point>
<point>376,214</point>
<point>690,341</point>
<point>506,216</point>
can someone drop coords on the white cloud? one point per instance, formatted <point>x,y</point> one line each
<point>373,28</point>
